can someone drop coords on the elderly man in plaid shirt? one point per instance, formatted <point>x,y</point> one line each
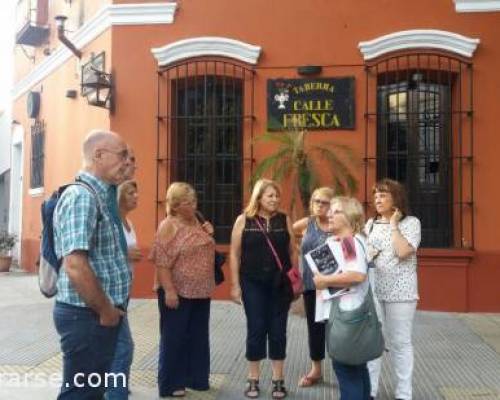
<point>94,282</point>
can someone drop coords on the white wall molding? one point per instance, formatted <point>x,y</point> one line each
<point>477,5</point>
<point>418,39</point>
<point>109,15</point>
<point>206,46</point>
<point>142,13</point>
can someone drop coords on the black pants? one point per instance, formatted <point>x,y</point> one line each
<point>315,330</point>
<point>184,359</point>
<point>267,316</point>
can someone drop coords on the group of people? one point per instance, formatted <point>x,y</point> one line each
<point>98,246</point>
<point>389,241</point>
<point>262,236</point>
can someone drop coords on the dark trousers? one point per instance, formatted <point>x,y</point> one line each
<point>315,330</point>
<point>184,359</point>
<point>354,381</point>
<point>88,350</point>
<point>267,316</point>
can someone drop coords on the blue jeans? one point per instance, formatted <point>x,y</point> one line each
<point>122,362</point>
<point>354,381</point>
<point>267,316</point>
<point>184,359</point>
<point>88,349</point>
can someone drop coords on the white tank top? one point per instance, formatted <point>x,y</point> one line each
<point>130,235</point>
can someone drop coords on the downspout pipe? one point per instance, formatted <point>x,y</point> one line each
<point>60,20</point>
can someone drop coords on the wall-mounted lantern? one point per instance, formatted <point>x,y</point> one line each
<point>97,85</point>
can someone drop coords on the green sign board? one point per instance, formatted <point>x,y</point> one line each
<point>313,104</point>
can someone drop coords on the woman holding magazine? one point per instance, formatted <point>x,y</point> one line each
<point>262,249</point>
<point>314,231</point>
<point>346,221</point>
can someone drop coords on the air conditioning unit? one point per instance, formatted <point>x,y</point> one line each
<point>31,22</point>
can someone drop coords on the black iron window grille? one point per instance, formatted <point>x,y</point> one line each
<point>419,131</point>
<point>205,109</point>
<point>37,154</point>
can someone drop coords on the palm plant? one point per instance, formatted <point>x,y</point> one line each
<point>299,162</point>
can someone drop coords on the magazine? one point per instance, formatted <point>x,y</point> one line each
<point>323,259</point>
<point>333,257</point>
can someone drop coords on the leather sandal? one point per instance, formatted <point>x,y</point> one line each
<point>279,391</point>
<point>252,390</point>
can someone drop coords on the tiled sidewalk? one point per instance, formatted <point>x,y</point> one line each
<point>456,355</point>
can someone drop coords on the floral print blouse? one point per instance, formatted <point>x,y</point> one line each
<point>190,257</point>
<point>395,279</point>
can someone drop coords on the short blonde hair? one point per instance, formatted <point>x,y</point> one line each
<point>321,191</point>
<point>258,190</point>
<point>123,187</point>
<point>178,192</point>
<point>353,210</point>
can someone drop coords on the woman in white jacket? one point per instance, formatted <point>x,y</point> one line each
<point>346,220</point>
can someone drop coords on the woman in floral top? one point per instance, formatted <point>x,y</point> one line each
<point>183,252</point>
<point>393,239</point>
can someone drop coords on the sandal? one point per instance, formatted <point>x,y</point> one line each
<point>279,391</point>
<point>252,390</point>
<point>307,381</point>
<point>175,393</point>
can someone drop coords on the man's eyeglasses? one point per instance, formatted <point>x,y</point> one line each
<point>122,154</point>
<point>319,202</point>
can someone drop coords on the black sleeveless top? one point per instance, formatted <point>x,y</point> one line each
<point>257,259</point>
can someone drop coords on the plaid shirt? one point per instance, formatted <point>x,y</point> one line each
<point>76,227</point>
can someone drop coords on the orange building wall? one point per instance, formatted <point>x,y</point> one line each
<point>67,121</point>
<point>319,33</point>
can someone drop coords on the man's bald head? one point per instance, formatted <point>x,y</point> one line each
<point>105,156</point>
<point>94,141</point>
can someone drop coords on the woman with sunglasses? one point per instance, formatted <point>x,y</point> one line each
<point>314,231</point>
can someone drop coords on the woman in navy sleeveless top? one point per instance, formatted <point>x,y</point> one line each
<point>258,280</point>
<point>314,232</point>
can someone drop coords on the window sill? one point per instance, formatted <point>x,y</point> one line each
<point>459,258</point>
<point>36,192</point>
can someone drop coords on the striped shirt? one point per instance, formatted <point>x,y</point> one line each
<point>79,225</point>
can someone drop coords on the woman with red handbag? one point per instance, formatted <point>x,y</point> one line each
<point>265,280</point>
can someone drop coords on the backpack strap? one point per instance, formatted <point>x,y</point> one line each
<point>100,206</point>
<point>90,188</point>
